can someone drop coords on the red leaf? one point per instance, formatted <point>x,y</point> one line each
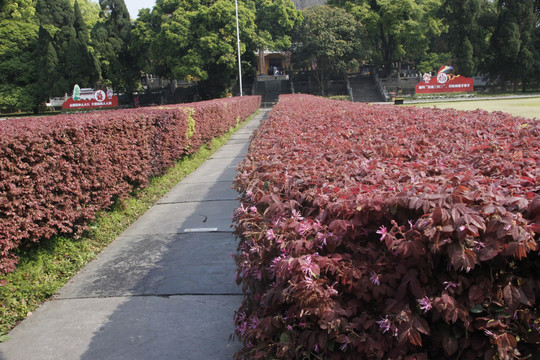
<point>449,344</point>
<point>512,297</point>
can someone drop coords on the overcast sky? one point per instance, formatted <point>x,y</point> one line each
<point>134,6</point>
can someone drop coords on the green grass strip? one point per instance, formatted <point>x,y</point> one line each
<point>44,268</point>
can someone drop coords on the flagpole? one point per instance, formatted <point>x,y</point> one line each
<point>238,43</point>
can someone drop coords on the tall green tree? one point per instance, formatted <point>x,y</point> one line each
<point>90,10</point>
<point>512,46</point>
<point>275,21</point>
<point>536,43</point>
<point>18,38</point>
<point>466,36</point>
<point>110,39</point>
<point>81,63</point>
<point>398,30</point>
<point>142,36</point>
<point>329,40</point>
<point>195,40</point>
<point>61,57</point>
<point>56,20</point>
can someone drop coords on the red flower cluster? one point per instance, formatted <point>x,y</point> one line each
<point>57,172</point>
<point>388,232</point>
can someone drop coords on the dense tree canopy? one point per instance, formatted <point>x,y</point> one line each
<point>329,40</point>
<point>194,40</point>
<point>398,30</point>
<point>18,36</point>
<point>110,39</point>
<point>46,46</point>
<point>275,21</point>
<point>512,43</point>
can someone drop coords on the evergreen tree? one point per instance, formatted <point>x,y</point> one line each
<point>56,33</point>
<point>330,41</point>
<point>465,37</point>
<point>18,37</point>
<point>512,46</point>
<point>192,40</point>
<point>47,67</point>
<point>81,64</point>
<point>62,55</point>
<point>111,38</point>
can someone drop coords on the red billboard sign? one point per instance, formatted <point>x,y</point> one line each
<point>90,99</point>
<point>444,82</point>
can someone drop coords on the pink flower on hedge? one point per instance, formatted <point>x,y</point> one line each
<point>302,228</point>
<point>345,344</point>
<point>253,323</point>
<point>383,232</point>
<point>308,266</point>
<point>425,304</point>
<point>449,284</point>
<point>296,215</point>
<point>374,277</point>
<point>385,324</point>
<point>270,234</point>
<point>322,238</point>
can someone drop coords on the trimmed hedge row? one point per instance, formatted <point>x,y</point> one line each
<point>380,232</point>
<point>57,172</point>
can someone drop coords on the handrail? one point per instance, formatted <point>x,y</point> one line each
<point>380,87</point>
<point>349,88</point>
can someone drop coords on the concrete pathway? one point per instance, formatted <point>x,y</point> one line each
<point>164,289</point>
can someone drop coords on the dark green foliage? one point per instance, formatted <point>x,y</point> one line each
<point>81,64</point>
<point>195,41</point>
<point>275,21</point>
<point>464,35</point>
<point>110,38</point>
<point>512,48</point>
<point>62,57</point>
<point>329,40</point>
<point>17,41</point>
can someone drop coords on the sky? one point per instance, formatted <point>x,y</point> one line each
<point>134,6</point>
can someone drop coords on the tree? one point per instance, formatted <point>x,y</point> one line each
<point>512,47</point>
<point>329,40</point>
<point>110,38</point>
<point>397,30</point>
<point>81,63</point>
<point>18,37</point>
<point>194,41</point>
<point>90,10</point>
<point>142,36</point>
<point>275,21</point>
<point>60,57</point>
<point>466,37</point>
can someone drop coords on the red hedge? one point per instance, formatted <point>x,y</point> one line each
<point>381,232</point>
<point>57,172</point>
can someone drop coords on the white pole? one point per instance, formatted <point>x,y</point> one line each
<point>238,43</point>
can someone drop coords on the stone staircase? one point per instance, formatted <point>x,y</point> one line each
<point>270,89</point>
<point>364,89</point>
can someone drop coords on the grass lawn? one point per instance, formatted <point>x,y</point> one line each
<point>525,107</point>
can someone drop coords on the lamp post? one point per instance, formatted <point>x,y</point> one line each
<point>238,44</point>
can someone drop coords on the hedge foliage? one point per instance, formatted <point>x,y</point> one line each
<point>57,172</point>
<point>380,232</point>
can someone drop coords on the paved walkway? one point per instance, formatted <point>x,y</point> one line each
<point>164,289</point>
